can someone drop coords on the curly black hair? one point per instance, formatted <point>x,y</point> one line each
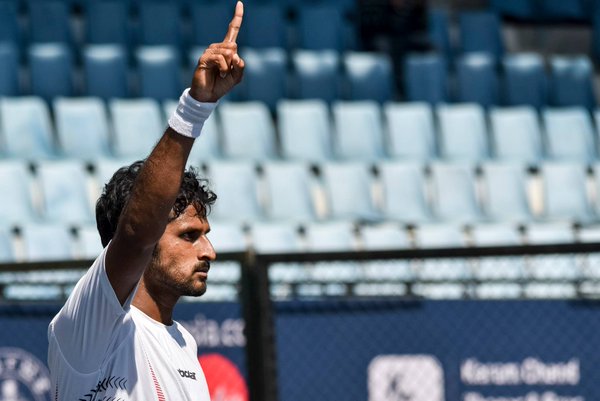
<point>193,191</point>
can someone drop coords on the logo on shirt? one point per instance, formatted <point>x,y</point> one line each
<point>187,374</point>
<point>22,376</point>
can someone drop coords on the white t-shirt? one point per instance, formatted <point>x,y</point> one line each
<point>100,350</point>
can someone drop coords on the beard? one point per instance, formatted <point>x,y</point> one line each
<point>172,279</point>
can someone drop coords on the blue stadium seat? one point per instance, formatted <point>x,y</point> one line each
<point>505,192</point>
<point>208,21</point>
<point>137,126</point>
<point>562,10</point>
<point>51,60</point>
<point>49,22</point>
<point>90,245</point>
<point>404,194</point>
<point>525,9</point>
<point>159,72</point>
<point>235,182</point>
<point>369,76</point>
<point>15,193</point>
<point>384,236</point>
<point>317,74</point>
<point>439,31</point>
<point>571,82</point>
<point>454,197</point>
<point>227,237</point>
<point>274,237</point>
<point>569,134</point>
<point>26,127</point>
<point>264,26</point>
<point>208,145</point>
<point>497,234</point>
<point>304,130</point>
<point>160,24</point>
<point>348,190</point>
<point>82,127</point>
<point>9,70</point>
<point>478,79</point>
<point>480,31</point>
<point>265,75</point>
<point>525,81</point>
<point>10,30</point>
<point>425,78</point>
<point>440,235</point>
<point>516,134</point>
<point>352,120</point>
<point>64,192</point>
<point>107,22</point>
<point>463,132</point>
<point>248,131</point>
<point>45,242</point>
<point>330,236</point>
<point>411,131</point>
<point>105,71</point>
<point>564,192</point>
<point>312,31</point>
<point>289,191</point>
<point>7,253</point>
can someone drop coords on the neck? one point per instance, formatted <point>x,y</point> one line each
<point>159,308</point>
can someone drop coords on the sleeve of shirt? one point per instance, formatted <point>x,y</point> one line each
<point>85,327</point>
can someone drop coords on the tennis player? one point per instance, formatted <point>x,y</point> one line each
<point>115,339</point>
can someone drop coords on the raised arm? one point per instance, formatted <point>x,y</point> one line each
<point>146,214</point>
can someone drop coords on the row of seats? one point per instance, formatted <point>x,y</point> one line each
<point>546,10</point>
<point>64,191</point>
<point>311,131</point>
<point>157,72</point>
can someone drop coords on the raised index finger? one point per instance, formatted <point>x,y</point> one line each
<point>236,23</point>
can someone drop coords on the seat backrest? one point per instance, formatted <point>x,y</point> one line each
<point>107,22</point>
<point>439,30</point>
<point>384,236</point>
<point>317,74</point>
<point>369,76</point>
<point>516,134</point>
<point>10,31</point>
<point>496,234</point>
<point>9,69</point>
<point>525,81</point>
<point>265,75</point>
<point>411,131</point>
<point>439,235</point>
<point>330,236</point>
<point>51,60</point>
<point>454,197</point>
<point>478,79</point>
<point>27,129</point>
<point>7,253</point>
<point>550,233</point>
<point>208,21</point>
<point>49,22</point>
<point>15,193</point>
<point>569,134</point>
<point>227,237</point>
<point>404,197</point>
<point>305,130</point>
<point>505,192</point>
<point>480,31</point>
<point>64,192</point>
<point>44,242</point>
<point>358,130</point>
<point>167,32</point>
<point>90,245</point>
<point>275,237</point>
<point>572,82</point>
<point>264,26</point>
<point>105,71</point>
<point>130,118</point>
<point>159,72</point>
<point>82,127</point>
<point>248,131</point>
<point>289,191</point>
<point>565,192</point>
<point>425,78</point>
<point>314,33</point>
<point>463,132</point>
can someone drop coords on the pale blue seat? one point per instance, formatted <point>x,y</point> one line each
<point>499,267</point>
<point>248,131</point>
<point>317,74</point>
<point>90,245</point>
<point>572,82</point>
<point>304,130</point>
<point>353,120</point>
<point>454,197</point>
<point>26,127</point>
<point>208,145</point>
<point>7,253</point>
<point>463,132</point>
<point>15,193</point>
<point>369,76</point>
<point>505,192</point>
<point>404,192</point>
<point>160,24</point>
<point>525,81</point>
<point>516,134</point>
<point>348,191</point>
<point>226,237</point>
<point>137,126</point>
<point>265,75</point>
<point>104,169</point>
<point>159,72</point>
<point>569,134</point>
<point>564,192</point>
<point>51,60</point>
<point>105,71</point>
<point>64,192</point>
<point>235,184</point>
<point>411,131</point>
<point>82,127</point>
<point>289,191</point>
<point>45,242</point>
<point>9,69</point>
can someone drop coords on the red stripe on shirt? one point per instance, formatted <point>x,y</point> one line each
<point>159,392</point>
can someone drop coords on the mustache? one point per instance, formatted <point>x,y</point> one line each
<point>203,266</point>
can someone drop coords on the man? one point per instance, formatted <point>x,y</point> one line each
<point>115,339</point>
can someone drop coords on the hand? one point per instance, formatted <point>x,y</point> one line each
<point>220,68</point>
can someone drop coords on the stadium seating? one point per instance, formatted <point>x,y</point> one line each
<point>45,242</point>
<point>227,237</point>
<point>569,134</point>
<point>208,21</point>
<point>265,75</point>
<point>107,22</point>
<point>130,118</point>
<point>425,78</point>
<point>15,193</point>
<point>289,192</point>
<point>264,26</point>
<point>463,132</point>
<point>273,237</point>
<point>525,81</point>
<point>480,32</point>
<point>505,192</point>
<point>316,74</point>
<point>9,70</point>
<point>51,60</point>
<point>478,80</point>
<point>313,34</point>
<point>571,82</point>
<point>516,134</point>
<point>454,197</point>
<point>358,130</point>
<point>10,31</point>
<point>7,253</point>
<point>439,31</point>
<point>105,71</point>
<point>159,24</point>
<point>411,131</point>
<point>369,76</point>
<point>90,245</point>
<point>49,22</point>
<point>159,72</point>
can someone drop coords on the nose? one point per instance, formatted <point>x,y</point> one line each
<point>206,251</point>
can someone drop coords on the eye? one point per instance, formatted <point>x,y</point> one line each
<point>190,236</point>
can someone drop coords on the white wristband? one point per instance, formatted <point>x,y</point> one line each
<point>190,114</point>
